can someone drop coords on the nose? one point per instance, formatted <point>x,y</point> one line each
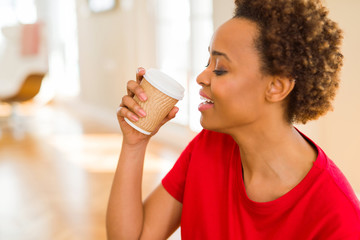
<point>203,79</point>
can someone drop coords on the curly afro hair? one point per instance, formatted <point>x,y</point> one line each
<point>299,41</point>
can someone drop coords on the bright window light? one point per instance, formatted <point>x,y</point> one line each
<point>184,29</point>
<point>173,45</point>
<point>26,11</point>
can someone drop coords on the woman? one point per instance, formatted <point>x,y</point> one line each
<point>249,174</point>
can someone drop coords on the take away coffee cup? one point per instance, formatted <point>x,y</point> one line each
<point>162,92</point>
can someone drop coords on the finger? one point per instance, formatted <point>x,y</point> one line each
<point>173,113</point>
<point>134,88</point>
<point>120,112</point>
<point>133,106</point>
<point>128,88</point>
<point>123,112</point>
<point>140,72</point>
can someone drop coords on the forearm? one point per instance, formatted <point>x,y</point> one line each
<point>125,210</point>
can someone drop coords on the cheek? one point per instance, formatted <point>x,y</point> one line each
<point>239,97</point>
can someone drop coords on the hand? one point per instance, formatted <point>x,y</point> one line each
<point>131,110</point>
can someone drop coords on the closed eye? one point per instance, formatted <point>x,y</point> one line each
<point>219,72</point>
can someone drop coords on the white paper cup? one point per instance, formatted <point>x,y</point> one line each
<point>162,92</point>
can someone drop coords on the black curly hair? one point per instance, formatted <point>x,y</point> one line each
<point>299,41</point>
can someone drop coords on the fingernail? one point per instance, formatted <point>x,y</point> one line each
<point>135,118</point>
<point>142,113</point>
<point>142,96</point>
<point>139,69</point>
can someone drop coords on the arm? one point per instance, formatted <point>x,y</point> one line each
<point>127,217</point>
<point>162,215</point>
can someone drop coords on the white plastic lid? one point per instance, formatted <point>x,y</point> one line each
<point>164,83</point>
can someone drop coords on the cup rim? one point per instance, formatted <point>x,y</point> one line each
<point>165,83</point>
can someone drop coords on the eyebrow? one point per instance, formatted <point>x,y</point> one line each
<point>217,53</point>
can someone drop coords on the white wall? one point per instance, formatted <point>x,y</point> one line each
<point>223,11</point>
<point>340,130</point>
<point>111,46</point>
<point>338,133</point>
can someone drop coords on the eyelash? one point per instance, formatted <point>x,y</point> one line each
<point>217,72</point>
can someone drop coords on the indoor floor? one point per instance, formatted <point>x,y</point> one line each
<point>56,170</point>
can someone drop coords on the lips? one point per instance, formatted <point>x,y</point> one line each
<point>205,98</point>
<point>207,102</point>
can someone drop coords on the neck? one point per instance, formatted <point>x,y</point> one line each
<point>274,153</point>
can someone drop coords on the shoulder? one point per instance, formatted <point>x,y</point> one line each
<point>342,190</point>
<point>331,192</point>
<point>331,198</point>
<point>340,207</point>
<point>196,163</point>
<point>211,145</point>
<point>209,149</point>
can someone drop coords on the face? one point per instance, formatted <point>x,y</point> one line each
<point>233,80</point>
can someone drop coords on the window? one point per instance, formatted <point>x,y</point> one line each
<point>13,12</point>
<point>60,37</point>
<point>63,49</point>
<point>184,29</point>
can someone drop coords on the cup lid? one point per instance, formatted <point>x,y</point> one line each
<point>165,83</point>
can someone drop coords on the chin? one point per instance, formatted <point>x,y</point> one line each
<point>204,124</point>
<point>209,125</point>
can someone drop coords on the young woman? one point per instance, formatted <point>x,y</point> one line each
<point>249,174</point>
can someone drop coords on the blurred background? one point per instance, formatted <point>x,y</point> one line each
<point>64,65</point>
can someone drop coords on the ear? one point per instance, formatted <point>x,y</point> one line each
<point>279,88</point>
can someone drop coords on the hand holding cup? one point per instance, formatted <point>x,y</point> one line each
<point>149,104</point>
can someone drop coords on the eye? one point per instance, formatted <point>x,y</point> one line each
<point>219,72</point>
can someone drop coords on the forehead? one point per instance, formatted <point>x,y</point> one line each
<point>234,37</point>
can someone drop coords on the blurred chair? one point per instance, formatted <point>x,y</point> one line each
<point>23,66</point>
<point>28,90</point>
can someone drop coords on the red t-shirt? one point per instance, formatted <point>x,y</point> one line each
<point>207,180</point>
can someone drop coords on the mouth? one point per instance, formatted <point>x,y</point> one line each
<point>206,103</point>
<point>206,100</point>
